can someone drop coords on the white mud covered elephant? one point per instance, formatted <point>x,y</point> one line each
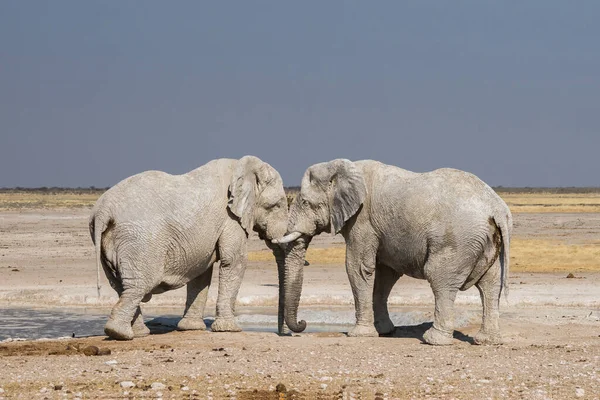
<point>155,232</point>
<point>445,226</point>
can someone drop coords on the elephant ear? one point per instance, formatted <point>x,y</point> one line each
<point>250,176</point>
<point>347,192</point>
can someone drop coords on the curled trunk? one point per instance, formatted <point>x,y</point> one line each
<point>294,272</point>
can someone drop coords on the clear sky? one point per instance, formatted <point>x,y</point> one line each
<point>94,91</point>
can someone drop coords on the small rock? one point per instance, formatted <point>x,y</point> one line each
<point>280,388</point>
<point>127,384</point>
<point>158,386</point>
<point>570,276</point>
<point>185,388</point>
<point>111,362</point>
<point>1,390</point>
<point>91,351</point>
<point>43,390</point>
<point>323,386</point>
<point>15,270</point>
<point>579,392</point>
<point>58,387</point>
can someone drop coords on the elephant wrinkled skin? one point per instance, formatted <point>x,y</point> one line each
<point>446,226</point>
<point>155,232</point>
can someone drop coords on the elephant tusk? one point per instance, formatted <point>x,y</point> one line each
<point>288,238</point>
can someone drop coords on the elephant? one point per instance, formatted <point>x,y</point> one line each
<point>446,226</point>
<point>155,232</point>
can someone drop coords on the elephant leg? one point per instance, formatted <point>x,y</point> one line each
<point>119,325</point>
<point>442,331</point>
<point>445,273</point>
<point>197,294</point>
<point>360,266</point>
<point>231,272</point>
<point>139,327</point>
<point>385,279</point>
<point>489,287</point>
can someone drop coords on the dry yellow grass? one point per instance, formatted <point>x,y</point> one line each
<point>527,255</point>
<point>534,255</point>
<point>555,203</point>
<point>518,203</point>
<point>37,200</point>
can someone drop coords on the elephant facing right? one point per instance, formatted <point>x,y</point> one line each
<point>445,226</point>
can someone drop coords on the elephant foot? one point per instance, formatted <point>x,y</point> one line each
<point>489,338</point>
<point>363,331</point>
<point>140,329</point>
<point>437,337</point>
<point>225,325</point>
<point>116,330</point>
<point>191,324</point>
<point>385,327</point>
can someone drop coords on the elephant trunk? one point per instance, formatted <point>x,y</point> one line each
<point>294,271</point>
<point>279,254</point>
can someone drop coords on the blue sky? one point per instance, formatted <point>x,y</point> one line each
<point>93,92</point>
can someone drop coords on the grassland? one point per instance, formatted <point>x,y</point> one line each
<point>527,255</point>
<point>534,201</point>
<point>552,202</point>
<point>46,199</point>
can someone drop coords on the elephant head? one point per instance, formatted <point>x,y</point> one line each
<point>330,194</point>
<point>257,199</point>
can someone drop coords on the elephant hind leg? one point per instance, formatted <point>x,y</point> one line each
<point>489,287</point>
<point>385,279</point>
<point>119,325</point>
<point>139,327</point>
<point>126,320</point>
<point>197,294</point>
<point>444,271</point>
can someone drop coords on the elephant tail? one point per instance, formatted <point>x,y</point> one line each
<point>504,223</point>
<point>97,227</point>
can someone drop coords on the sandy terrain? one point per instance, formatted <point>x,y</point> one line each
<point>551,326</point>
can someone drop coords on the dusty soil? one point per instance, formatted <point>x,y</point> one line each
<point>549,360</point>
<point>551,327</point>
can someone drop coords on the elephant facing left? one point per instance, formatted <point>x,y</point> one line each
<point>155,232</point>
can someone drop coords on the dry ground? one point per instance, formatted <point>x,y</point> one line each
<point>551,326</point>
<point>554,360</point>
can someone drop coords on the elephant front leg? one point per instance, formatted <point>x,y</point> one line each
<point>361,273</point>
<point>197,294</point>
<point>230,279</point>
<point>385,279</point>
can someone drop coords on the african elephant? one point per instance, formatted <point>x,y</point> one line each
<point>446,226</point>
<point>155,232</point>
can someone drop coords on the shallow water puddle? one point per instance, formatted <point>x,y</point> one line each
<point>27,323</point>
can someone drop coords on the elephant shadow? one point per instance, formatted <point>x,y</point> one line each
<point>417,331</point>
